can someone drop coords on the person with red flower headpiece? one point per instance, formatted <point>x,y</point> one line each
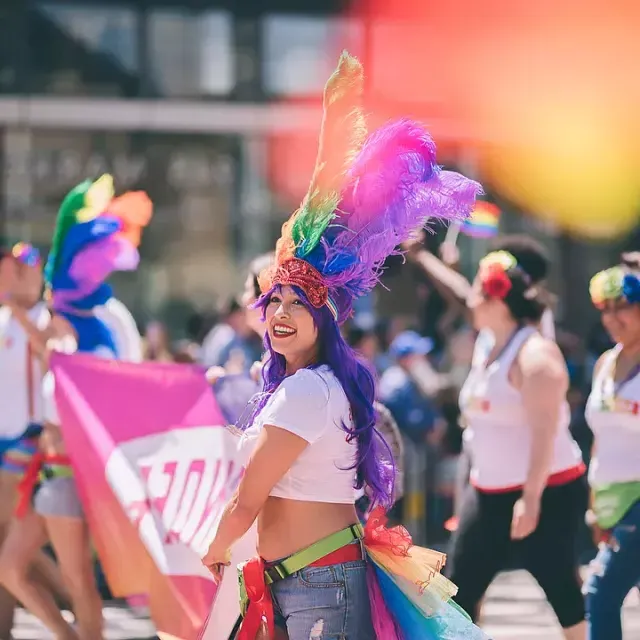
<point>527,492</point>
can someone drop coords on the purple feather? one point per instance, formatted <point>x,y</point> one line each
<point>94,264</point>
<point>394,188</point>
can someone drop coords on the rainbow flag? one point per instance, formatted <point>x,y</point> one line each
<point>154,468</point>
<point>483,222</point>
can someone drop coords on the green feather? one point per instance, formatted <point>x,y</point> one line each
<point>72,203</point>
<point>342,135</point>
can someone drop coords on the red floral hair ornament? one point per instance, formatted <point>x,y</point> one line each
<point>494,274</point>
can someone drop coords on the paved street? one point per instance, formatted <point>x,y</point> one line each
<point>515,610</point>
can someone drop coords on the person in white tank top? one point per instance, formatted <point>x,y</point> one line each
<point>613,414</point>
<point>526,487</point>
<point>25,326</point>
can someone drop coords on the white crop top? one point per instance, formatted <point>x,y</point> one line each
<point>311,404</point>
<point>498,436</point>
<point>614,419</point>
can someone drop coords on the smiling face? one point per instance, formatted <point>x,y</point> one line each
<point>292,331</point>
<point>621,320</point>
<point>30,283</point>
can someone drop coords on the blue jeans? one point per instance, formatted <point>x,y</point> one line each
<point>325,603</point>
<point>614,572</point>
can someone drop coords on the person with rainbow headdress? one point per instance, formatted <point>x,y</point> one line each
<point>21,370</point>
<point>310,437</point>
<point>96,234</point>
<point>613,414</point>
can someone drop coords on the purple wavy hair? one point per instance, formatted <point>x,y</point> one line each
<point>374,464</point>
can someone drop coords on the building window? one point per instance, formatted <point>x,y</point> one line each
<point>78,50</point>
<point>300,52</point>
<point>191,54</point>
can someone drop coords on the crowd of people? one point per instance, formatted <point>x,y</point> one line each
<point>480,429</point>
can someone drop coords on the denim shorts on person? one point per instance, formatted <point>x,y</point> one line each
<point>325,603</point>
<point>58,497</point>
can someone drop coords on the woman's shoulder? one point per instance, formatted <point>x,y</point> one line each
<point>607,356</point>
<point>309,384</point>
<point>539,354</point>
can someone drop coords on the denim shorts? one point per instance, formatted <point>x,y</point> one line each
<point>325,603</point>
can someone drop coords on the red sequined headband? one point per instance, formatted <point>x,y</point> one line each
<point>298,273</point>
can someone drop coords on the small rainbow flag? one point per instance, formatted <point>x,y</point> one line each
<point>483,222</point>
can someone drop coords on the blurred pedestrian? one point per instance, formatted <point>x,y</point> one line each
<point>231,343</point>
<point>156,346</point>
<point>23,317</point>
<point>409,389</point>
<point>613,413</point>
<point>527,493</point>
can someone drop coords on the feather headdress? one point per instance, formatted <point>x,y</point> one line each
<point>95,234</point>
<point>367,196</point>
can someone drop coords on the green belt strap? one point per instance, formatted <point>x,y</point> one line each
<point>302,559</point>
<point>51,471</point>
<point>315,552</point>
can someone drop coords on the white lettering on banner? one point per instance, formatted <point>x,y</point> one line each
<point>173,493</point>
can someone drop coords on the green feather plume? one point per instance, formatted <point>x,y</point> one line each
<point>72,203</point>
<point>342,135</point>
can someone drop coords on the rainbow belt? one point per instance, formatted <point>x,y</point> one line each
<point>410,598</point>
<point>52,465</point>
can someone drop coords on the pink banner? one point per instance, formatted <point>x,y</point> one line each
<point>154,467</point>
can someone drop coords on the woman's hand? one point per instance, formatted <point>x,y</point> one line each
<point>216,561</point>
<point>214,374</point>
<point>526,513</point>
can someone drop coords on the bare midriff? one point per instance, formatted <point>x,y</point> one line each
<point>287,526</point>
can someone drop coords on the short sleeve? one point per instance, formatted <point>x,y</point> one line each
<point>300,405</point>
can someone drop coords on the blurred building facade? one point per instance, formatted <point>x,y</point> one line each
<point>188,101</point>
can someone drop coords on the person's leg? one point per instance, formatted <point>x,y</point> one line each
<point>72,545</point>
<point>550,555</point>
<point>24,540</point>
<point>479,547</point>
<point>12,468</point>
<point>69,535</point>
<point>8,491</point>
<point>612,575</point>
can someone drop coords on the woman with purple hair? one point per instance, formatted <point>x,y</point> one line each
<point>311,432</point>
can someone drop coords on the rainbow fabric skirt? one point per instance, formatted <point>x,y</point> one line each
<point>410,598</point>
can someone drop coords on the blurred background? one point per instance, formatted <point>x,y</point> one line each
<point>213,108</point>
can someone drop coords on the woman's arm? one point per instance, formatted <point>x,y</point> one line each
<point>544,386</point>
<point>276,451</point>
<point>450,284</point>
<point>40,339</point>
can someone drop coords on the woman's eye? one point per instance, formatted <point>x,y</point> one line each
<point>297,302</point>
<point>274,300</point>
